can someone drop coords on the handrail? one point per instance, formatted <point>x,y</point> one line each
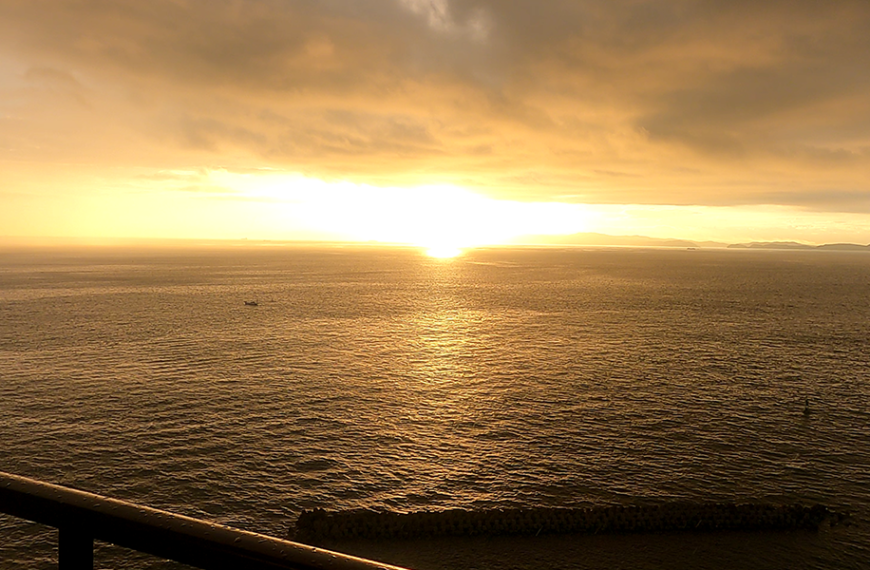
<point>83,517</point>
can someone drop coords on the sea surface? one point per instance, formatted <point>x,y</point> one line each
<point>380,378</point>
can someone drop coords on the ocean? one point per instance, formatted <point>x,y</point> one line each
<point>380,378</point>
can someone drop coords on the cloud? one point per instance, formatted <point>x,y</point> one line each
<point>438,15</point>
<point>640,101</point>
<point>830,199</point>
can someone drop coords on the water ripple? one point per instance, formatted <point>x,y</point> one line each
<point>380,381</point>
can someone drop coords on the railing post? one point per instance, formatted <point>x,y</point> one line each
<point>75,549</point>
<point>83,518</point>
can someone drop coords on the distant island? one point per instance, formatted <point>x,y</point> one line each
<point>796,245</point>
<point>591,238</point>
<point>597,239</point>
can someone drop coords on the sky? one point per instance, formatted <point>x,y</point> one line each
<point>435,122</point>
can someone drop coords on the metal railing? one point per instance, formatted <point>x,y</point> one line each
<point>82,517</point>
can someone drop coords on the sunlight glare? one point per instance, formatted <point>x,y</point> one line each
<point>444,252</point>
<point>442,219</point>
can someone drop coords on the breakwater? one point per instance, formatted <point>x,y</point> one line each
<point>318,524</point>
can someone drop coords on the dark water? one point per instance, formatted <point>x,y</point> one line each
<point>383,379</point>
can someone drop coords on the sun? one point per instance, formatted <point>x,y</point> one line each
<point>443,251</point>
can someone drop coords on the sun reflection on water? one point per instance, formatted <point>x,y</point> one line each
<point>444,251</point>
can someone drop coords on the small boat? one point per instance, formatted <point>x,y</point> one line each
<point>251,303</point>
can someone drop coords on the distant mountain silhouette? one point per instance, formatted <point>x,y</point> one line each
<point>771,245</point>
<point>796,245</point>
<point>845,247</point>
<point>597,239</point>
<point>590,238</point>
